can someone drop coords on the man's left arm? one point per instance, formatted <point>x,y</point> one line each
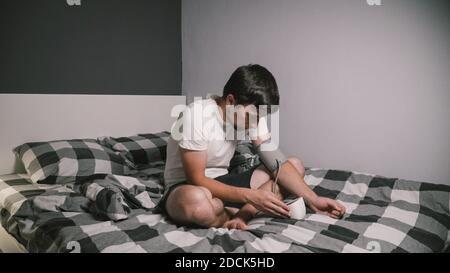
<point>290,178</point>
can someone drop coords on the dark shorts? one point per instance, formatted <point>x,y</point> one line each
<point>241,180</point>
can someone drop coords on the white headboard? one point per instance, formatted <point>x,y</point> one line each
<point>44,117</point>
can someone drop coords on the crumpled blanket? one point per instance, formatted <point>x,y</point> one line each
<point>105,196</point>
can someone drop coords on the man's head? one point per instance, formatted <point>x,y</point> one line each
<point>250,86</point>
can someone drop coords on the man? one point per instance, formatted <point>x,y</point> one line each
<point>198,189</point>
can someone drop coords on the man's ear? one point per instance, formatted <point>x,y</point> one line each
<point>230,99</point>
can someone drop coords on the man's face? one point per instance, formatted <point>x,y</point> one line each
<point>241,116</point>
<point>245,117</point>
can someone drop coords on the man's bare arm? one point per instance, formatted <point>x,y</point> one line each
<point>194,163</point>
<point>293,182</point>
<point>289,176</point>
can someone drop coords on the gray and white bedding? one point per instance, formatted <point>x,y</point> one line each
<point>119,213</point>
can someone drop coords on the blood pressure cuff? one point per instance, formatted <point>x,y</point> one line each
<point>270,158</point>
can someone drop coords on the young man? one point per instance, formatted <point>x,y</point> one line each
<point>199,190</point>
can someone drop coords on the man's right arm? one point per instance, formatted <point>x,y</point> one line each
<point>194,164</point>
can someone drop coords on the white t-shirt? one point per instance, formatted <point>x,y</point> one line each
<point>202,129</point>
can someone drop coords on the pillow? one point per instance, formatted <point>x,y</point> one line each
<point>64,161</point>
<point>140,149</point>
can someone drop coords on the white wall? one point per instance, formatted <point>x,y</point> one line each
<point>44,117</point>
<point>362,87</point>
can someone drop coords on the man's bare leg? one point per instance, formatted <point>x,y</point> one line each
<point>194,205</point>
<point>261,179</point>
<point>291,179</point>
<point>291,182</point>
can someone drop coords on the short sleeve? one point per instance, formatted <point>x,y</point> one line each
<point>191,131</point>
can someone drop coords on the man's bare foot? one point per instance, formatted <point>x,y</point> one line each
<point>235,223</point>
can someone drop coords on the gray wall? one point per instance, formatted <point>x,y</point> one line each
<point>100,47</point>
<point>363,88</point>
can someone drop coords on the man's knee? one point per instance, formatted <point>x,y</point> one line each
<point>298,164</point>
<point>190,204</point>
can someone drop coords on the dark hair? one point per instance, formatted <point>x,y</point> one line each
<point>253,84</point>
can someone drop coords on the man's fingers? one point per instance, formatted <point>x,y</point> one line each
<point>329,214</point>
<point>332,215</point>
<point>276,214</point>
<point>340,208</point>
<point>336,205</point>
<point>281,204</point>
<point>271,212</point>
<point>336,208</point>
<point>280,210</point>
<point>343,209</point>
<point>336,213</point>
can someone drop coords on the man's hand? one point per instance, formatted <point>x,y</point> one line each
<point>267,202</point>
<point>235,223</point>
<point>328,207</point>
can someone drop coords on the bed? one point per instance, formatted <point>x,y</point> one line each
<point>384,214</point>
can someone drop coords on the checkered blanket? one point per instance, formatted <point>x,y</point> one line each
<point>383,215</point>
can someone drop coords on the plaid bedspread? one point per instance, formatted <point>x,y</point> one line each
<point>112,213</point>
